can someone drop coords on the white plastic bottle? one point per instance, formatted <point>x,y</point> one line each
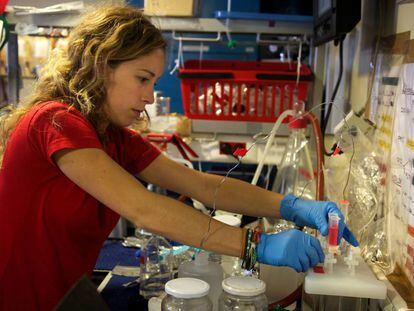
<point>203,269</point>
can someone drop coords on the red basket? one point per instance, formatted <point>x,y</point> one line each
<point>239,90</point>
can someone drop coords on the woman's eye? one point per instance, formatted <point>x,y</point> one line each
<point>143,79</point>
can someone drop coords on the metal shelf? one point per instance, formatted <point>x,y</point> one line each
<point>183,24</point>
<point>234,26</point>
<point>64,20</point>
<point>264,17</point>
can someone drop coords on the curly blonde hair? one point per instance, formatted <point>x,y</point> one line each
<point>106,37</point>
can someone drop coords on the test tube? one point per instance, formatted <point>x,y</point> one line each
<point>333,233</point>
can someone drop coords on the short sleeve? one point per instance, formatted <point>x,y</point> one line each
<point>140,152</point>
<point>56,127</point>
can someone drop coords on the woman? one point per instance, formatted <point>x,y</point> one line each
<point>68,166</point>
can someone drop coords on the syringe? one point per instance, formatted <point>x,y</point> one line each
<point>333,233</point>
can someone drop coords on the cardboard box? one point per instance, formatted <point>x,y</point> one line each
<point>170,7</point>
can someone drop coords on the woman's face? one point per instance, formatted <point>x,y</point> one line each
<point>130,87</point>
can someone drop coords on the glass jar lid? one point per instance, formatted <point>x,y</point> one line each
<point>187,288</point>
<point>243,286</point>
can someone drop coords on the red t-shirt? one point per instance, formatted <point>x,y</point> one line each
<point>51,231</point>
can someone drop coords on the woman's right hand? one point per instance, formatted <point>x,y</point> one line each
<point>291,248</point>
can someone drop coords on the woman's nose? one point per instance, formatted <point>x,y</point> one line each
<point>149,96</point>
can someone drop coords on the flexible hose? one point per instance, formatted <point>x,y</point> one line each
<point>320,181</point>
<point>269,143</point>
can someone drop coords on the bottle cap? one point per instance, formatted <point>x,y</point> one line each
<point>187,288</point>
<point>243,286</point>
<point>297,121</point>
<point>201,259</point>
<point>229,220</point>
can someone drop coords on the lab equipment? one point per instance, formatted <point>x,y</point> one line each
<point>162,105</point>
<point>351,261</point>
<point>295,175</point>
<point>329,262</point>
<point>344,207</point>
<point>334,19</point>
<point>288,294</point>
<point>142,237</point>
<point>186,294</point>
<point>342,290</point>
<point>154,303</point>
<point>152,109</point>
<point>243,293</point>
<point>203,269</point>
<point>156,264</point>
<point>333,233</point>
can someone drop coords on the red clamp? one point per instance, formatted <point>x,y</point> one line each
<point>164,138</point>
<point>240,152</point>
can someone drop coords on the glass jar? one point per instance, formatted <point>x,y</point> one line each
<point>186,294</point>
<point>243,293</point>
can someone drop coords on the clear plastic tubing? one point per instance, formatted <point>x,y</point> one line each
<point>333,232</point>
<point>269,143</point>
<point>344,206</point>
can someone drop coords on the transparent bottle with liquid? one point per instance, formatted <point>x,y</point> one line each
<point>295,176</point>
<point>203,269</point>
<point>156,266</point>
<point>295,173</point>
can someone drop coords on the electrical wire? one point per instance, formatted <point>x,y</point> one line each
<point>215,199</point>
<point>350,167</point>
<point>374,61</point>
<point>325,119</point>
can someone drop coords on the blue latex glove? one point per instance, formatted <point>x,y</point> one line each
<point>292,248</point>
<point>314,214</point>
